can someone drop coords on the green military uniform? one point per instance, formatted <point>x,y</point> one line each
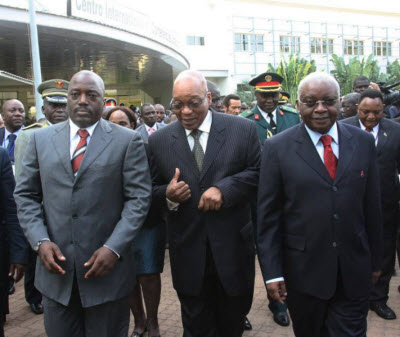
<point>286,117</point>
<point>53,91</point>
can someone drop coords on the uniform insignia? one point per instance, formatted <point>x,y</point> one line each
<point>59,84</point>
<point>257,117</point>
<point>269,134</point>
<point>281,112</point>
<point>385,134</point>
<point>268,78</point>
<point>362,175</point>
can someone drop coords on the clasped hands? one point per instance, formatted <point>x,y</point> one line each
<point>179,192</point>
<point>100,263</point>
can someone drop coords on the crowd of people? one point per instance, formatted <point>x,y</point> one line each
<point>88,206</point>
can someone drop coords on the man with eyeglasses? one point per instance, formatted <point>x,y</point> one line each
<point>270,117</point>
<point>319,218</point>
<point>205,169</point>
<point>387,140</point>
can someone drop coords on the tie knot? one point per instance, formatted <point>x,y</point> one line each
<point>196,134</point>
<point>83,133</point>
<point>12,137</point>
<point>326,140</point>
<point>368,129</point>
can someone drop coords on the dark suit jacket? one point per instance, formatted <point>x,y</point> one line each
<point>310,227</point>
<point>388,159</point>
<point>2,132</point>
<point>231,163</point>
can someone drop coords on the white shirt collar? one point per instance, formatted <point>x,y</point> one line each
<point>315,136</point>
<point>148,127</point>
<point>374,131</point>
<point>266,113</point>
<point>205,126</point>
<point>75,128</point>
<point>6,132</point>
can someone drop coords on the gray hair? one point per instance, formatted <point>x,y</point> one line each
<point>318,77</point>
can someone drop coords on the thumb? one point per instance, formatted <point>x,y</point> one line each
<point>176,175</point>
<point>58,254</point>
<point>91,261</point>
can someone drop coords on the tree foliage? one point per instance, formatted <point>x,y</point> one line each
<point>245,92</point>
<point>293,71</point>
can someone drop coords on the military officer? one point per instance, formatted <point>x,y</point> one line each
<point>270,117</point>
<point>54,94</point>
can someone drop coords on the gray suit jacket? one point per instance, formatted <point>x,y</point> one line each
<point>106,203</point>
<point>143,132</point>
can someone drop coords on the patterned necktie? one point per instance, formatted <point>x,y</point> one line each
<point>11,145</point>
<point>151,130</point>
<point>79,151</point>
<point>271,120</point>
<point>330,159</point>
<point>368,129</point>
<point>197,150</point>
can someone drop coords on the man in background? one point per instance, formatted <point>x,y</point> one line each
<point>149,118</point>
<point>232,104</point>
<point>349,104</point>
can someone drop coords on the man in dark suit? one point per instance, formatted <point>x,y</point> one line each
<point>205,170</point>
<point>82,195</point>
<point>319,219</point>
<point>13,245</point>
<point>148,115</point>
<point>387,139</point>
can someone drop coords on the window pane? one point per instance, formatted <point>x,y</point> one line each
<point>190,40</point>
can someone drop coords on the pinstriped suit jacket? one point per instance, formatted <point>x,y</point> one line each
<point>231,163</point>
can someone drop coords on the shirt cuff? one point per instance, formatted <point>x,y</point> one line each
<point>172,206</point>
<point>112,251</point>
<point>275,280</point>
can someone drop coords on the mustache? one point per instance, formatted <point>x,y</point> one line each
<point>82,109</point>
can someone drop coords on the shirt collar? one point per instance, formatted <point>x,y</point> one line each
<point>6,132</point>
<point>75,128</point>
<point>148,127</point>
<point>375,129</point>
<point>205,126</point>
<point>315,136</point>
<point>266,113</point>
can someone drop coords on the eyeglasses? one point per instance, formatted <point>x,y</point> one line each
<point>192,104</point>
<point>312,103</point>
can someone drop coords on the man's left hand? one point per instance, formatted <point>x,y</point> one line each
<point>211,200</point>
<point>101,262</point>
<point>376,275</point>
<point>16,271</point>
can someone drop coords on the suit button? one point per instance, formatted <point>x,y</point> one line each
<point>334,188</point>
<point>334,244</point>
<point>336,216</point>
<point>74,216</point>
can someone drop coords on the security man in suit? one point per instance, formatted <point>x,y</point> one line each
<point>270,117</point>
<point>387,139</point>
<point>54,95</point>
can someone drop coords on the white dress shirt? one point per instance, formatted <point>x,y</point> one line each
<point>5,140</point>
<point>315,138</point>
<point>205,128</point>
<point>266,117</point>
<point>148,128</point>
<point>74,138</point>
<point>374,131</point>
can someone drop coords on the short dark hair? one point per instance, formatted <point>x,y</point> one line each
<point>143,106</point>
<point>128,112</point>
<point>371,93</point>
<point>359,79</point>
<point>353,97</point>
<point>228,98</point>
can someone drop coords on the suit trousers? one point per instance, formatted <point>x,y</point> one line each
<point>109,319</point>
<point>338,316</point>
<point>32,295</point>
<point>214,313</point>
<point>380,290</point>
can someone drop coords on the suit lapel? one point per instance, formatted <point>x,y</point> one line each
<point>61,144</point>
<point>346,151</point>
<point>181,147</point>
<point>99,141</point>
<point>383,135</point>
<point>214,143</point>
<point>307,151</point>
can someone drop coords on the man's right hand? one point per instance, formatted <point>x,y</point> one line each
<point>178,191</point>
<point>48,251</point>
<point>277,291</point>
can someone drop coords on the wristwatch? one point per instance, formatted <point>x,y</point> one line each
<point>37,245</point>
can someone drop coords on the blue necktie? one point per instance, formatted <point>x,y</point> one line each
<point>11,145</point>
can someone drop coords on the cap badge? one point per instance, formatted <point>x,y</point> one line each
<point>268,78</point>
<point>59,84</point>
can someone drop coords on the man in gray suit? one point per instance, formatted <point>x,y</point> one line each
<point>81,200</point>
<point>149,118</point>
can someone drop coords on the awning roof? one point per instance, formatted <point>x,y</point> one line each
<point>10,80</point>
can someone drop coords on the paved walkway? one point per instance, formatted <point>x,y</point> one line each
<point>23,323</point>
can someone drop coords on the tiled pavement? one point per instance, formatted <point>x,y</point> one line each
<point>23,323</point>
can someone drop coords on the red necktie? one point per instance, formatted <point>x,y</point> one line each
<point>80,150</point>
<point>330,159</point>
<point>368,129</point>
<point>151,130</point>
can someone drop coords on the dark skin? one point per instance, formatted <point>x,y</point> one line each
<point>361,86</point>
<point>85,106</point>
<point>191,86</point>
<point>160,111</point>
<point>267,101</point>
<point>13,115</point>
<point>149,115</point>
<point>370,111</point>
<point>55,112</point>
<point>349,107</point>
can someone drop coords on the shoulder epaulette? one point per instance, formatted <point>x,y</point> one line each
<point>288,109</point>
<point>32,126</point>
<point>247,113</point>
